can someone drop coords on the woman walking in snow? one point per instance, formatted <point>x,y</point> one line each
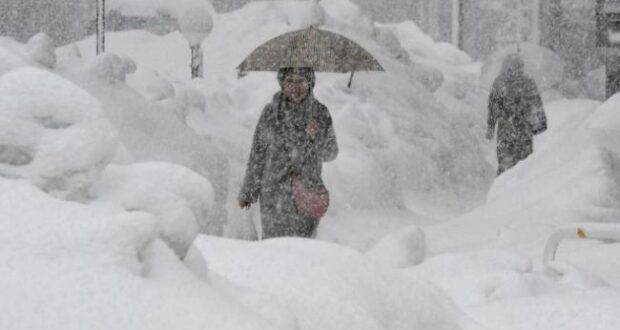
<point>293,137</point>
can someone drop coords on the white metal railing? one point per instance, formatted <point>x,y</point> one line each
<point>598,231</point>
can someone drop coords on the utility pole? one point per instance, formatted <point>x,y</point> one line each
<point>100,26</point>
<point>536,16</point>
<point>457,23</point>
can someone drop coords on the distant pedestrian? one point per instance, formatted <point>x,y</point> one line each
<point>516,108</point>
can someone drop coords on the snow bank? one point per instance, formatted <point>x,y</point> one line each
<point>595,309</point>
<point>155,131</point>
<point>474,279</point>
<point>405,248</point>
<point>179,199</point>
<point>53,133</point>
<point>111,67</point>
<point>70,266</point>
<point>10,55</point>
<point>94,263</point>
<point>422,47</point>
<point>327,286</point>
<point>41,49</point>
<point>596,258</point>
<point>571,177</point>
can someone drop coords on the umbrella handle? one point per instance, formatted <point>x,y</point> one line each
<point>351,79</point>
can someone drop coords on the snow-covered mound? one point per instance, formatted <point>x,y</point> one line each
<point>90,264</point>
<point>9,60</point>
<point>328,286</point>
<point>69,266</point>
<point>179,199</point>
<point>38,51</point>
<point>405,248</point>
<point>52,133</point>
<point>421,47</point>
<point>57,136</point>
<point>155,131</point>
<point>595,309</point>
<point>41,49</point>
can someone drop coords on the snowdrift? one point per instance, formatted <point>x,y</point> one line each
<point>108,258</point>
<point>53,133</point>
<point>571,177</point>
<point>328,286</point>
<point>127,162</point>
<point>70,266</point>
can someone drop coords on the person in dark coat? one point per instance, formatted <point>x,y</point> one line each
<point>294,136</point>
<point>516,107</point>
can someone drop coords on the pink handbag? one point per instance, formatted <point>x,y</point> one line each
<point>310,203</point>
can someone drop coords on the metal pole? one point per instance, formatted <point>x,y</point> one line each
<point>461,24</point>
<point>456,26</point>
<point>197,59</point>
<point>608,92</point>
<point>612,70</point>
<point>535,38</point>
<point>100,26</point>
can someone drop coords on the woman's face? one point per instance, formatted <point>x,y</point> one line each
<point>296,87</point>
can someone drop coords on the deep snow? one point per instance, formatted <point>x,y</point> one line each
<point>111,166</point>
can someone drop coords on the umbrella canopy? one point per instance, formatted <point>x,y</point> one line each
<point>321,50</point>
<point>542,64</point>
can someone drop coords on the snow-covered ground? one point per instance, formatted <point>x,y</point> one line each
<point>113,169</point>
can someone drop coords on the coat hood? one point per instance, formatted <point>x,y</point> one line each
<point>308,73</point>
<point>513,66</point>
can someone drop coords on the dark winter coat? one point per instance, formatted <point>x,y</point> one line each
<point>513,105</point>
<point>282,146</point>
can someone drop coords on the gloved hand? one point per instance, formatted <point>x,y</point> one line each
<point>244,204</point>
